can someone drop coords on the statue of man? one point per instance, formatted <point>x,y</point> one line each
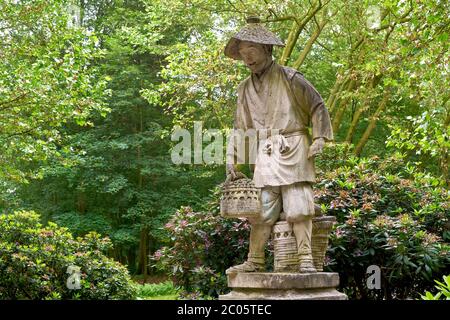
<point>278,99</point>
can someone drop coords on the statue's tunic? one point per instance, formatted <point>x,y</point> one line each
<point>281,105</point>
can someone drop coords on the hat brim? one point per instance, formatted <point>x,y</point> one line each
<point>232,48</point>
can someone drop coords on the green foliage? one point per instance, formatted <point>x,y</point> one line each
<point>119,179</point>
<point>157,63</point>
<point>157,290</point>
<point>46,82</point>
<point>83,224</point>
<point>399,224</point>
<point>443,290</point>
<point>34,260</point>
<point>198,84</point>
<point>426,137</point>
<point>335,155</point>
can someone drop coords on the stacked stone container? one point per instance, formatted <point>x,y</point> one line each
<point>285,246</point>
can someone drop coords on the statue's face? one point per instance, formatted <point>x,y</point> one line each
<point>254,55</point>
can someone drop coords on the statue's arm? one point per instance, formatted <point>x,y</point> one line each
<point>313,105</point>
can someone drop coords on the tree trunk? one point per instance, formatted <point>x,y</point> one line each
<point>364,106</point>
<point>143,243</point>
<point>297,28</point>
<point>372,124</point>
<point>143,253</point>
<point>131,257</point>
<point>290,42</point>
<point>81,202</point>
<point>337,89</point>
<point>445,157</point>
<point>351,129</point>
<point>297,64</point>
<point>332,95</point>
<point>342,107</point>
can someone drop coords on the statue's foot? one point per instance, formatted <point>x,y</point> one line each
<point>247,266</point>
<point>307,265</point>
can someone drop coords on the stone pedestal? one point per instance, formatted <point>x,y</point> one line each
<point>283,286</point>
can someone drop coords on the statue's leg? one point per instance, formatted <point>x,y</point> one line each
<point>261,231</point>
<point>298,204</point>
<point>302,231</point>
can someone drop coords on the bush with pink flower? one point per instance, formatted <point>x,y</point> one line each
<point>199,248</point>
<point>36,263</point>
<point>390,218</point>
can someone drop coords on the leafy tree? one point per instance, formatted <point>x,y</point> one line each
<point>46,82</point>
<point>120,180</point>
<point>87,110</point>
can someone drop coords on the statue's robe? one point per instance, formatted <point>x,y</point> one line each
<point>281,105</point>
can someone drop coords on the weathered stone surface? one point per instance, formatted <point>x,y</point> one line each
<point>310,294</point>
<point>283,280</point>
<point>284,286</point>
<point>240,199</point>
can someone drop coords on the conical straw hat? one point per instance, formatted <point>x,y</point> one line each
<point>253,32</point>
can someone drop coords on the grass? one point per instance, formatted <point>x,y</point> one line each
<point>157,291</point>
<point>166,297</point>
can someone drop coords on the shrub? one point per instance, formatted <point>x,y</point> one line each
<point>34,261</point>
<point>399,224</point>
<point>201,245</point>
<point>443,290</point>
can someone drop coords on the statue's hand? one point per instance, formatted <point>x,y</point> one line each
<point>316,148</point>
<point>233,174</point>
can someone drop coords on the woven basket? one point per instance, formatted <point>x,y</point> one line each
<point>285,244</point>
<point>285,248</point>
<point>240,199</point>
<point>321,229</point>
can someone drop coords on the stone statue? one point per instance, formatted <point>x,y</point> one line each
<point>278,99</point>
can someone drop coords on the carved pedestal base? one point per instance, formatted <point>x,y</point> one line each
<point>283,286</point>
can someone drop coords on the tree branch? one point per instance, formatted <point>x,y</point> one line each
<point>7,102</point>
<point>296,30</point>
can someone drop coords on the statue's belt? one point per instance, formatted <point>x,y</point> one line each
<point>269,139</point>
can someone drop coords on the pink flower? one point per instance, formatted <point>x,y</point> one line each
<point>350,221</point>
<point>183,223</point>
<point>169,226</point>
<point>157,255</point>
<point>339,233</point>
<point>47,233</point>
